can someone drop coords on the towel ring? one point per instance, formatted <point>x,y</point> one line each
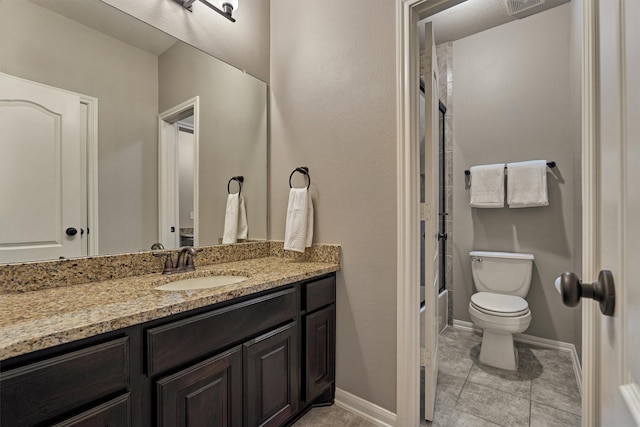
<point>239,179</point>
<point>303,170</point>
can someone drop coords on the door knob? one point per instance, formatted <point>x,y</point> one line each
<point>572,289</point>
<point>71,231</point>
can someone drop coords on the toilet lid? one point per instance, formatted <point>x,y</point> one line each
<point>499,304</point>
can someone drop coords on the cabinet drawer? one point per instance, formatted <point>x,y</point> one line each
<point>114,413</point>
<point>186,340</point>
<point>319,293</point>
<point>37,392</point>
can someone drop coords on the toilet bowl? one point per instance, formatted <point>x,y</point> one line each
<point>499,308</point>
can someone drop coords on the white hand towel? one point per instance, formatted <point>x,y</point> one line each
<point>243,226</point>
<point>487,186</point>
<point>299,226</point>
<point>235,219</point>
<point>527,184</point>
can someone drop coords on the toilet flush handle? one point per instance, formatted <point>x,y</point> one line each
<point>603,290</point>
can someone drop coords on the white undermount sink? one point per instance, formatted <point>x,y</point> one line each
<point>207,282</point>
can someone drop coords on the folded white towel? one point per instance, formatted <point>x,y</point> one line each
<point>235,219</point>
<point>298,233</point>
<point>487,186</point>
<point>527,184</point>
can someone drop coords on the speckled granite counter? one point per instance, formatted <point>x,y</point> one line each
<point>44,318</point>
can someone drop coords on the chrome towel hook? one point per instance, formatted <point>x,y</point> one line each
<point>239,179</point>
<point>303,170</point>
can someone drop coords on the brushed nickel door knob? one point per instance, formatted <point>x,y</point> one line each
<point>603,290</point>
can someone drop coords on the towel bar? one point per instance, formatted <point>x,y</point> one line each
<point>239,179</point>
<point>303,170</point>
<point>549,164</point>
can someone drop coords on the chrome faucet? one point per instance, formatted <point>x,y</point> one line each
<point>183,263</point>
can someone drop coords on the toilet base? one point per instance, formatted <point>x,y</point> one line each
<point>498,350</point>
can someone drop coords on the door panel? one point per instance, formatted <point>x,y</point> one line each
<point>271,377</point>
<point>39,127</point>
<point>618,209</point>
<point>207,394</point>
<point>430,220</point>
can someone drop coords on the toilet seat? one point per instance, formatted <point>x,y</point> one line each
<point>499,304</point>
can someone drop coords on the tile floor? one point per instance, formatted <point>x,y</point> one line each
<point>542,393</point>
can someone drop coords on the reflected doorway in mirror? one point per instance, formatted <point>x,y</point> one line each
<point>178,147</point>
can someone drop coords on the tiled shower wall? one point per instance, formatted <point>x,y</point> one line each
<point>444,53</point>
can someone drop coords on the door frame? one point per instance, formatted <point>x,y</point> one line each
<point>590,118</point>
<point>91,173</point>
<point>408,13</point>
<point>167,181</point>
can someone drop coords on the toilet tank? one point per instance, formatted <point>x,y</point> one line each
<point>502,272</point>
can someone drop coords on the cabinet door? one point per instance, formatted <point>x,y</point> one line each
<point>319,351</point>
<point>206,394</point>
<point>271,377</point>
<point>115,413</point>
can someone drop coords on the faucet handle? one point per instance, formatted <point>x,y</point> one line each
<point>168,262</point>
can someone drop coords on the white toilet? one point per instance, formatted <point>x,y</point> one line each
<point>502,280</point>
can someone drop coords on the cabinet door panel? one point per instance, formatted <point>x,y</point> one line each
<point>319,351</point>
<point>271,377</point>
<point>206,394</point>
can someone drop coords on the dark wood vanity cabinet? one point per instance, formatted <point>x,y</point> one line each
<point>271,377</point>
<point>261,360</point>
<point>210,390</point>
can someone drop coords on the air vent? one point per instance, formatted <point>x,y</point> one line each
<point>523,8</point>
<point>515,7</point>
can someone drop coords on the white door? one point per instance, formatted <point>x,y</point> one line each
<point>40,194</point>
<point>429,215</point>
<point>617,213</point>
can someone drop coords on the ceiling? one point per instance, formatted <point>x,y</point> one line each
<point>471,17</point>
<point>104,18</point>
<point>467,18</point>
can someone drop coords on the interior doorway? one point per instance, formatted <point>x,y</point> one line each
<point>178,182</point>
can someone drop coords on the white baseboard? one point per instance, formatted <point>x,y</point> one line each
<point>365,409</point>
<point>540,342</point>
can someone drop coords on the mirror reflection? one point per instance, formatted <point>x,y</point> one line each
<point>88,97</point>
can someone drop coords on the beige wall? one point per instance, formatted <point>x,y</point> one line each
<point>513,102</point>
<point>333,110</point>
<point>243,44</point>
<point>44,47</point>
<point>233,135</point>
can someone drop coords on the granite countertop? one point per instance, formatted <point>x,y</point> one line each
<point>44,318</point>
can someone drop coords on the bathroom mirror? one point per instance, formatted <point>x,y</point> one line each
<point>133,73</point>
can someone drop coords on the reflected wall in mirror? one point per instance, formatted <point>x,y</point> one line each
<point>135,72</point>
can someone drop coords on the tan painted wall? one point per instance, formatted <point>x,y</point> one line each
<point>44,47</point>
<point>333,109</point>
<point>243,44</point>
<point>233,139</point>
<point>513,101</point>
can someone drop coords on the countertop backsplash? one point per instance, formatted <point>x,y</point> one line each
<point>33,276</point>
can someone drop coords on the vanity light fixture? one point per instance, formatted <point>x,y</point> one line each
<point>225,8</point>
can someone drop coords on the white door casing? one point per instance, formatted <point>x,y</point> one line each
<point>408,243</point>
<point>40,172</point>
<point>431,220</point>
